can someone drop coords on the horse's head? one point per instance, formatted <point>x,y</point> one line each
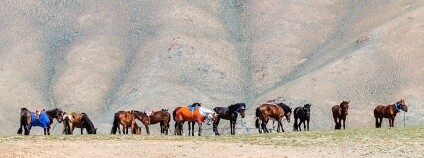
<point>136,130</point>
<point>288,113</point>
<point>344,107</point>
<point>137,114</point>
<point>59,115</point>
<point>402,105</point>
<point>242,109</point>
<point>95,131</point>
<point>307,109</point>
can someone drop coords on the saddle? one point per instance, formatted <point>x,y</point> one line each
<point>148,114</point>
<point>193,106</point>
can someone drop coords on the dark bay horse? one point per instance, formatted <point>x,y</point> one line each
<point>162,117</point>
<point>304,115</point>
<point>276,111</point>
<point>199,115</point>
<point>45,120</point>
<point>389,112</point>
<point>340,113</point>
<point>78,120</point>
<point>229,113</point>
<point>126,119</point>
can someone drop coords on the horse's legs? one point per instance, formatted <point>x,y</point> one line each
<point>344,123</point>
<point>233,127</point>
<point>147,129</point>
<point>377,122</point>
<point>301,121</point>
<point>337,123</point>
<point>280,123</point>
<point>392,122</point>
<point>192,128</point>
<point>307,124</point>
<point>264,122</point>
<point>200,128</point>
<point>295,124</point>
<point>215,126</point>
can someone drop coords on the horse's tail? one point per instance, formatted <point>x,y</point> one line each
<point>66,124</point>
<point>115,124</point>
<point>24,121</point>
<point>258,114</point>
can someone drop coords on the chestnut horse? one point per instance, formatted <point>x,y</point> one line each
<point>126,119</point>
<point>389,112</point>
<point>45,120</point>
<point>276,111</point>
<point>179,125</point>
<point>229,113</point>
<point>163,117</point>
<point>198,115</point>
<point>340,113</point>
<point>304,116</point>
<point>78,120</point>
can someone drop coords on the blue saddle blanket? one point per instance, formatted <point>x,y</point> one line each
<point>42,121</point>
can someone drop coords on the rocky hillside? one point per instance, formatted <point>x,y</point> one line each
<point>101,56</point>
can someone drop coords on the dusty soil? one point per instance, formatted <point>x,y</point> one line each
<point>91,147</point>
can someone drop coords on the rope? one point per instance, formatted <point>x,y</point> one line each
<point>54,126</point>
<point>404,119</point>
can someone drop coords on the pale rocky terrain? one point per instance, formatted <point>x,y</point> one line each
<point>101,56</point>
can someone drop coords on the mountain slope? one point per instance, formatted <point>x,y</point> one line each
<point>99,57</point>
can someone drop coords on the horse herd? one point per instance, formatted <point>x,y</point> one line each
<point>196,113</point>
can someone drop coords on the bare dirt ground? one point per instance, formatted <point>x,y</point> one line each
<point>385,142</point>
<point>133,148</point>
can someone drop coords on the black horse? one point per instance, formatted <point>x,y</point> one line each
<point>45,120</point>
<point>229,113</point>
<point>304,115</point>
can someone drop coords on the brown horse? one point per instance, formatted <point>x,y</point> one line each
<point>78,120</point>
<point>389,112</point>
<point>179,125</point>
<point>198,115</point>
<point>163,117</point>
<point>340,113</point>
<point>270,110</point>
<point>126,119</point>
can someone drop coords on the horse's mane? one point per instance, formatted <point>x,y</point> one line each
<point>234,107</point>
<point>344,103</point>
<point>285,107</point>
<point>87,120</point>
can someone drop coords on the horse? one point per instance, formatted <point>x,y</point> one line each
<point>67,123</point>
<point>179,125</point>
<point>304,115</point>
<point>340,113</point>
<point>270,110</point>
<point>198,115</point>
<point>80,120</point>
<point>229,113</point>
<point>163,117</point>
<point>45,120</point>
<point>126,119</point>
<point>389,112</point>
